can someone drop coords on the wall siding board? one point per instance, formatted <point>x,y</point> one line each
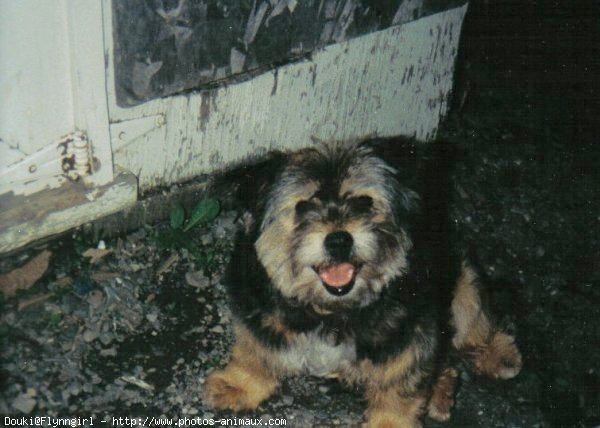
<point>35,100</point>
<point>395,81</point>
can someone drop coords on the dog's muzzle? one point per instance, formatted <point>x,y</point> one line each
<point>338,277</point>
<point>339,245</point>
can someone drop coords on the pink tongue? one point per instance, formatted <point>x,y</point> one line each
<point>338,275</point>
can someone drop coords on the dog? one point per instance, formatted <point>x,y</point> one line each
<point>345,268</point>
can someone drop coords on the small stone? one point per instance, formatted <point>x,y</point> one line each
<point>217,329</point>
<point>152,318</point>
<point>197,279</point>
<point>90,336</point>
<point>101,245</point>
<point>288,400</point>
<point>106,338</point>
<point>74,389</point>
<point>228,222</point>
<point>220,232</point>
<point>95,299</point>
<point>207,239</point>
<point>135,267</point>
<point>323,389</point>
<point>110,352</point>
<point>24,403</point>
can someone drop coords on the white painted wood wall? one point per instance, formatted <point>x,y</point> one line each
<point>56,76</point>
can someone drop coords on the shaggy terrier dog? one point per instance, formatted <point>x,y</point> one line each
<point>345,268</point>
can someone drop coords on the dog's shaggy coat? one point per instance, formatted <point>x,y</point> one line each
<point>345,268</point>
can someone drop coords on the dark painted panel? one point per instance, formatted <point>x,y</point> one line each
<point>170,46</point>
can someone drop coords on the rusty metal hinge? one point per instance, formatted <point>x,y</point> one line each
<point>76,156</point>
<point>68,158</point>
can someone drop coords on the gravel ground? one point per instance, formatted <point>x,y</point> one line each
<point>135,333</point>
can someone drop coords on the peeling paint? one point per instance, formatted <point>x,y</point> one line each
<point>204,111</point>
<point>394,89</point>
<point>274,90</point>
<point>216,159</point>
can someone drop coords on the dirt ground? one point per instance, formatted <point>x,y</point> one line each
<point>130,326</point>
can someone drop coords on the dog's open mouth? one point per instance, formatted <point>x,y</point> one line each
<point>338,279</point>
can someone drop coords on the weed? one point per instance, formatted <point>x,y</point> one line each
<point>180,235</point>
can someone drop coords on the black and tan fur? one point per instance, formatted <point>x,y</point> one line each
<point>412,298</point>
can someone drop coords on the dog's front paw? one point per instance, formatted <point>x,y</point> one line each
<point>391,420</point>
<point>499,358</point>
<point>442,397</point>
<point>220,393</point>
<point>223,391</point>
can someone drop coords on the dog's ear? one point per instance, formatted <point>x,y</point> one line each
<point>248,185</point>
<point>402,154</point>
<point>424,168</point>
<point>419,165</point>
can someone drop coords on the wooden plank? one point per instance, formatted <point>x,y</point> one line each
<point>88,75</point>
<point>24,219</point>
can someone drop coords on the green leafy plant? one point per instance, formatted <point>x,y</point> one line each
<point>205,211</point>
<point>177,217</point>
<point>179,234</point>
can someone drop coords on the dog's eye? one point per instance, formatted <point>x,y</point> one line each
<point>304,207</point>
<point>360,204</point>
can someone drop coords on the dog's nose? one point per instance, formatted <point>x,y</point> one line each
<point>339,245</point>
